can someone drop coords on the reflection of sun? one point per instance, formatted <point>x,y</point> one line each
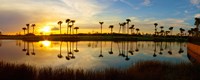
<point>46,43</point>
<point>46,29</point>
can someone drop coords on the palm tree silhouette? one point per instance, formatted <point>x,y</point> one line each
<point>70,27</point>
<point>67,21</point>
<point>120,26</point>
<point>111,29</point>
<point>161,30</point>
<point>124,28</point>
<point>197,22</point>
<point>60,55</point>
<point>137,29</point>
<point>60,23</point>
<point>171,28</point>
<point>155,24</point>
<point>33,25</point>
<point>27,25</point>
<point>101,23</point>
<point>72,21</point>
<point>24,30</point>
<point>181,31</point>
<point>76,28</point>
<point>132,29</point>
<point>128,21</point>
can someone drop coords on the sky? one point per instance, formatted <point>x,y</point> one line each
<point>15,14</point>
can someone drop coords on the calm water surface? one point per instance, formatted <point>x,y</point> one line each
<point>90,54</point>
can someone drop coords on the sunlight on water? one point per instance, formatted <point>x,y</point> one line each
<point>91,54</point>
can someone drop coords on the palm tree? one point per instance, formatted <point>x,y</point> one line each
<point>60,23</point>
<point>132,29</point>
<point>70,27</point>
<point>27,25</point>
<point>33,25</point>
<point>111,29</point>
<point>197,22</point>
<point>120,24</point>
<point>123,27</point>
<point>181,31</point>
<point>72,21</point>
<point>189,32</point>
<point>128,20</point>
<point>24,30</point>
<point>67,21</point>
<point>171,28</point>
<point>101,23</point>
<point>137,29</point>
<point>155,24</point>
<point>161,30</point>
<point>76,28</point>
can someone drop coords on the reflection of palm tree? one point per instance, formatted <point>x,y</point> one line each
<point>27,53</point>
<point>119,49</point>
<point>73,57</point>
<point>111,52</point>
<point>154,54</point>
<point>101,55</point>
<point>180,50</point>
<point>131,48</point>
<point>170,49</point>
<point>127,58</point>
<point>155,24</point>
<point>101,23</point>
<point>33,25</point>
<point>24,49</point>
<point>33,53</point>
<point>76,50</point>
<point>60,55</point>
<point>27,25</point>
<point>136,47</point>
<point>161,48</point>
<point>128,20</point>
<point>67,21</point>
<point>60,23</point>
<point>67,57</point>
<point>24,30</point>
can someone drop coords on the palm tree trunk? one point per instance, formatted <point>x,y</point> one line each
<point>24,32</point>
<point>119,29</point>
<point>101,28</point>
<point>60,28</point>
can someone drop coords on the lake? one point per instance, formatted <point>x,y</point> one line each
<point>90,55</point>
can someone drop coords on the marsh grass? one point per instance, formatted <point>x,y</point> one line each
<point>143,70</point>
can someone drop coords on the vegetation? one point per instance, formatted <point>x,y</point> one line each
<point>150,70</point>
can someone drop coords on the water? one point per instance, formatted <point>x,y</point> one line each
<point>90,54</point>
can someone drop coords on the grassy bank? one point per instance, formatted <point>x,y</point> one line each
<point>144,70</point>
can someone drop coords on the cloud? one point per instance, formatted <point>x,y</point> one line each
<point>146,3</point>
<point>197,15</point>
<point>196,3</point>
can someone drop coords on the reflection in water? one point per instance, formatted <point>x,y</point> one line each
<point>114,53</point>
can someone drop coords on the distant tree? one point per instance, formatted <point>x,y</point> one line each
<point>33,25</point>
<point>101,23</point>
<point>132,29</point>
<point>67,21</point>
<point>137,29</point>
<point>76,28</point>
<point>171,28</point>
<point>189,32</point>
<point>155,24</point>
<point>181,31</point>
<point>166,33</point>
<point>161,30</point>
<point>197,22</point>
<point>128,21</point>
<point>111,29</point>
<point>72,21</point>
<point>120,26</point>
<point>24,30</point>
<point>60,23</point>
<point>27,25</point>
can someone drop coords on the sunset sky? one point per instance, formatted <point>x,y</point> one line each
<point>14,14</point>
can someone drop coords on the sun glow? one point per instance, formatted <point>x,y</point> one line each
<point>46,29</point>
<point>46,43</point>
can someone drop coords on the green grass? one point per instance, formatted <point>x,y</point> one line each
<point>143,70</point>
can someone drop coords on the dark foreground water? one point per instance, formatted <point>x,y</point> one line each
<point>92,55</point>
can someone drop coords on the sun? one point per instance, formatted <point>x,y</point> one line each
<point>46,29</point>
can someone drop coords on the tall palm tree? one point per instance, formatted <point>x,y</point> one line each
<point>197,22</point>
<point>120,26</point>
<point>70,27</point>
<point>155,24</point>
<point>161,30</point>
<point>33,25</point>
<point>27,25</point>
<point>24,30</point>
<point>76,28</point>
<point>72,21</point>
<point>111,29</point>
<point>60,23</point>
<point>137,29</point>
<point>171,28</point>
<point>181,31</point>
<point>67,21</point>
<point>123,27</point>
<point>101,23</point>
<point>128,21</point>
<point>132,29</point>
